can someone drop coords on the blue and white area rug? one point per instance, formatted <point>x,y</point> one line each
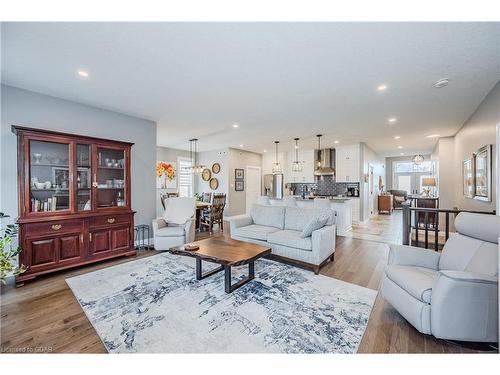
<point>155,305</point>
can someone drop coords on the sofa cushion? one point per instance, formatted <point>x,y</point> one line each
<point>315,224</point>
<point>416,281</point>
<point>170,231</point>
<point>296,218</point>
<point>290,238</point>
<point>255,231</point>
<point>269,216</point>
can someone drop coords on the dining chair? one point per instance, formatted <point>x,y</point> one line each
<point>215,213</point>
<point>206,197</point>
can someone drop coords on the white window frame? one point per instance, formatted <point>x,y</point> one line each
<point>180,170</point>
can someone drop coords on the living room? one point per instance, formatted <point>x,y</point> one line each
<point>161,195</point>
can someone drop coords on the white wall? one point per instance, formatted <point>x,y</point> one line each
<point>26,108</point>
<point>240,159</point>
<point>369,157</point>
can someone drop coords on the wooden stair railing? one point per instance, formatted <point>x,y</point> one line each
<point>428,225</point>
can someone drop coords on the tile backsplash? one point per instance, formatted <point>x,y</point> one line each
<point>325,185</point>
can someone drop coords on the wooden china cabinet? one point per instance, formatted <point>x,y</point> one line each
<point>74,200</point>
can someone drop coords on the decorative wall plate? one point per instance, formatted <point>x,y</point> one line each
<point>214,183</point>
<point>216,168</point>
<point>206,174</point>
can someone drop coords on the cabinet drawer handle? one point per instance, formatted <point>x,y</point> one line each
<point>56,226</point>
<point>111,221</point>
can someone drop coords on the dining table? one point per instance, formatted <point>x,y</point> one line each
<point>199,207</point>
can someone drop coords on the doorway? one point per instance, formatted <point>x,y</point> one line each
<point>253,186</point>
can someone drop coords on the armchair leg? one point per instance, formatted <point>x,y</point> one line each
<point>332,257</point>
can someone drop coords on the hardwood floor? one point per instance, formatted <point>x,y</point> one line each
<point>44,316</point>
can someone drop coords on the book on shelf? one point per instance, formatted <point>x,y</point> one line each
<point>44,205</point>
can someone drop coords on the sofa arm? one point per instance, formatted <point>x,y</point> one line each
<point>158,223</point>
<point>413,256</point>
<point>239,221</point>
<point>465,306</point>
<point>323,243</point>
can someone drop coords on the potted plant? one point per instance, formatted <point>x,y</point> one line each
<point>8,254</point>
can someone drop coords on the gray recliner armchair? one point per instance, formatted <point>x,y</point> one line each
<point>452,295</point>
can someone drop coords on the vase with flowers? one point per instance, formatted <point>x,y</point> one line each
<point>165,172</point>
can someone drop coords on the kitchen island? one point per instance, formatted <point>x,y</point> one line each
<point>341,205</point>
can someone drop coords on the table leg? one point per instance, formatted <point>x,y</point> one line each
<point>199,273</point>
<point>227,278</point>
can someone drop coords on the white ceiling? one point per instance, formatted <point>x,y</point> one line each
<point>276,80</point>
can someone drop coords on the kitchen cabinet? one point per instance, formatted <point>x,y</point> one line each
<point>307,173</point>
<point>347,163</point>
<point>355,210</point>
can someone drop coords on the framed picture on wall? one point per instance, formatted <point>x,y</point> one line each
<point>482,173</point>
<point>239,174</point>
<point>239,186</point>
<point>468,178</point>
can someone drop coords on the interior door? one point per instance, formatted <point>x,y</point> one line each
<point>253,186</point>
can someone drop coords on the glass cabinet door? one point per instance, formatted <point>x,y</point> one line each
<point>49,176</point>
<point>83,177</point>
<point>110,179</point>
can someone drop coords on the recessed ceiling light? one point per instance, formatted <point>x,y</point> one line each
<point>397,137</point>
<point>433,136</point>
<point>83,74</point>
<point>401,153</point>
<point>400,147</point>
<point>382,87</point>
<point>441,83</point>
<point>336,142</point>
<point>235,125</point>
<point>264,151</point>
<point>241,145</point>
<point>392,120</point>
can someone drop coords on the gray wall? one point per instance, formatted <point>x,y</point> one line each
<point>208,158</point>
<point>478,131</point>
<point>26,108</point>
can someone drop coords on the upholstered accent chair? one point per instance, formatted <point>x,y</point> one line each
<point>177,226</point>
<point>399,197</point>
<point>452,295</point>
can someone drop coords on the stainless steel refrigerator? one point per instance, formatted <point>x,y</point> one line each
<point>273,185</point>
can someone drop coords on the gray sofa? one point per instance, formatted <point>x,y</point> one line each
<point>280,228</point>
<point>453,295</point>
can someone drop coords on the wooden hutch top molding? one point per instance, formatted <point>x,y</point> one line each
<point>38,131</point>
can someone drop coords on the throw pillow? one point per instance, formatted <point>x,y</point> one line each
<point>178,210</point>
<point>315,224</point>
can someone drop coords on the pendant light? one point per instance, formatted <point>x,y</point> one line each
<point>417,159</point>
<point>195,168</point>
<point>318,163</point>
<point>277,166</point>
<point>297,165</point>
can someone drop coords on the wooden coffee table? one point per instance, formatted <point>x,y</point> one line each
<point>226,252</point>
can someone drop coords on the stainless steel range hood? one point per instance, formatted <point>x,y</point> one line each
<point>325,162</point>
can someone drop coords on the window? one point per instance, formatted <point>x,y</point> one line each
<point>409,167</point>
<point>185,177</point>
